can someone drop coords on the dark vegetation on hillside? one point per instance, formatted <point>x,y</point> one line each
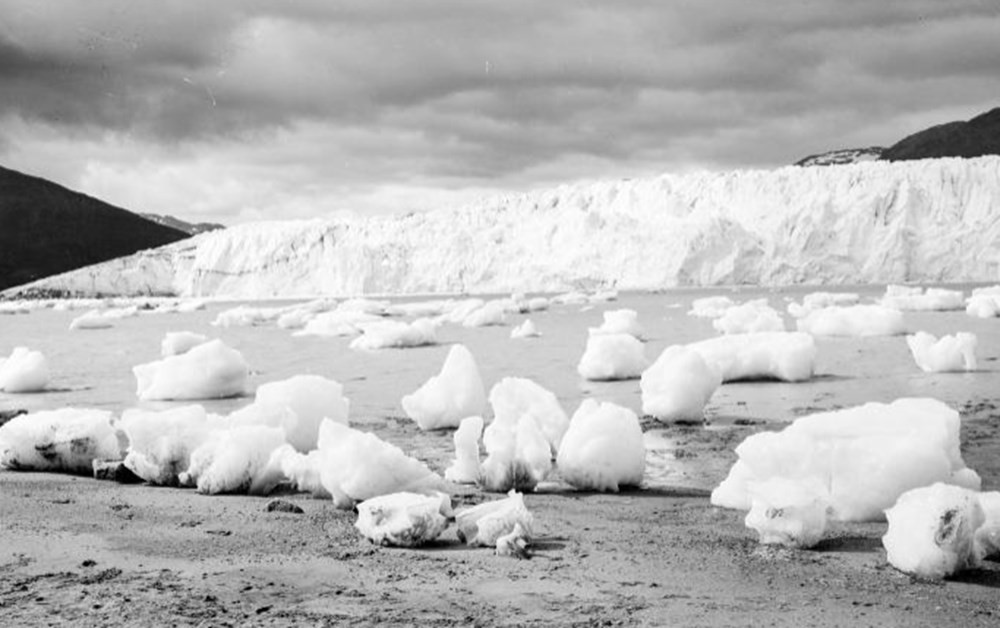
<point>974,138</point>
<point>46,229</point>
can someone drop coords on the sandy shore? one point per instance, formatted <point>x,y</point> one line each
<point>85,552</point>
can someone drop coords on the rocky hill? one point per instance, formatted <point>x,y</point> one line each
<point>190,228</point>
<point>973,138</point>
<point>47,229</point>
<point>842,156</point>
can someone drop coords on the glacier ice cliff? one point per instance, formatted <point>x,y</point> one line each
<point>930,220</point>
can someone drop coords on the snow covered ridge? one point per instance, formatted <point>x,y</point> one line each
<point>872,222</point>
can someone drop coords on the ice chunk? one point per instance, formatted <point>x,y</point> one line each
<point>484,523</point>
<point>301,470</point>
<point>787,512</point>
<point>232,460</point>
<point>932,531</point>
<point>749,318</point>
<point>297,405</point>
<point>160,443</point>
<point>337,323</point>
<point>914,298</point>
<point>785,356</point>
<point>623,321</point>
<point>950,353</point>
<point>678,385</point>
<point>208,371</point>
<point>455,393</point>
<point>25,371</point>
<point>527,329</point>
<point>93,319</point>
<point>396,334</point>
<point>178,342</point>
<point>514,397</point>
<point>466,468</point>
<point>491,313</point>
<point>517,458</point>
<point>612,356</point>
<point>864,457</point>
<point>603,448</point>
<point>404,519</point>
<point>68,439</point>
<point>854,320</point>
<point>356,466</point>
<point>988,534</point>
<point>247,316</point>
<point>983,305</point>
<point>710,307</point>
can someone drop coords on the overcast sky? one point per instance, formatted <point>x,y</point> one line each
<point>233,111</point>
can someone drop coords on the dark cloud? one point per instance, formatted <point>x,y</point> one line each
<point>456,93</point>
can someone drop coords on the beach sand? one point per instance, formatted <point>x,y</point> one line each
<point>85,552</point>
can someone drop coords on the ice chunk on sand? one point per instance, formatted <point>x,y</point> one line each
<point>302,471</point>
<point>93,319</point>
<point>932,531</point>
<point>527,329</point>
<point>337,323</point>
<point>466,468</point>
<point>518,456</point>
<point>514,397</point>
<point>453,394</point>
<point>385,334</point>
<point>404,519</point>
<point>297,405</point>
<point>787,512</point>
<point>988,534</point>
<point>752,317</point>
<point>232,460</point>
<point>355,466</point>
<point>914,298</point>
<point>490,313</point>
<point>949,353</point>
<point>603,448</point>
<point>612,356</point>
<point>25,371</point>
<point>983,305</point>
<point>865,457</point>
<point>179,342</point>
<point>623,321</point>
<point>820,300</point>
<point>68,439</point>
<point>160,443</point>
<point>208,371</point>
<point>785,356</point>
<point>678,385</point>
<point>484,523</point>
<point>854,320</point>
<point>247,316</point>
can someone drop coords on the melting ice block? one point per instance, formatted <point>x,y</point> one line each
<point>178,342</point>
<point>355,466</point>
<point>988,534</point>
<point>208,371</point>
<point>385,334</point>
<point>853,320</point>
<point>914,298</point>
<point>297,405</point>
<point>752,317</point>
<point>92,320</point>
<point>518,456</point>
<point>160,443</point>
<point>485,523</point>
<point>68,440</point>
<point>490,313</point>
<point>455,393</point>
<point>25,371</point>
<point>786,356</point>
<point>466,468</point>
<point>710,307</point>
<point>612,356</point>
<point>949,353</point>
<point>337,323</point>
<point>623,321</point>
<point>603,448</point>
<point>678,385</point>
<point>527,329</point>
<point>787,512</point>
<point>932,531</point>
<point>514,397</point>
<point>404,519</point>
<point>864,457</point>
<point>232,460</point>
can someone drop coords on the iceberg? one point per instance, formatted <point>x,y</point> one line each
<point>68,440</point>
<point>612,356</point>
<point>853,320</point>
<point>210,370</point>
<point>678,385</point>
<point>603,448</point>
<point>946,354</point>
<point>454,394</point>
<point>846,224</point>
<point>24,371</point>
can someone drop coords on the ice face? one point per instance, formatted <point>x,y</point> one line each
<point>849,224</point>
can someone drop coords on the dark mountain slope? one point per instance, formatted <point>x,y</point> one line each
<point>47,229</point>
<point>974,138</point>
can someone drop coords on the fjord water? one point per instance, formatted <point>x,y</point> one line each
<point>92,368</point>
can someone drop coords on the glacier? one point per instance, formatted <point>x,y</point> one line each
<point>932,220</point>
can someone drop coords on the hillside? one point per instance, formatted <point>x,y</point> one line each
<point>873,222</point>
<point>190,228</point>
<point>973,138</point>
<point>842,156</point>
<point>46,229</point>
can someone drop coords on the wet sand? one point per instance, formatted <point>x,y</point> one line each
<point>77,551</point>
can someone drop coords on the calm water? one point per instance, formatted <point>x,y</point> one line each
<point>92,368</point>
